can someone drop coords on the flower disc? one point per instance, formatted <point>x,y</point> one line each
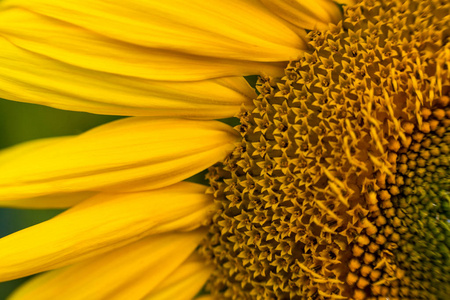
<point>340,185</point>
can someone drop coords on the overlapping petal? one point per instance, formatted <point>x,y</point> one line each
<point>145,58</point>
<point>100,224</point>
<point>53,201</point>
<point>139,58</point>
<point>232,29</point>
<point>46,201</point>
<point>61,85</point>
<point>24,148</point>
<point>126,155</point>
<point>185,282</point>
<point>316,14</point>
<point>148,266</point>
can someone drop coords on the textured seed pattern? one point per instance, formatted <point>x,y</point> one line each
<point>340,186</point>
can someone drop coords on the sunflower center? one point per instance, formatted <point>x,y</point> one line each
<point>340,186</point>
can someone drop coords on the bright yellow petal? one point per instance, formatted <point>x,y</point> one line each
<point>48,201</point>
<point>58,84</point>
<point>10,153</point>
<point>185,282</point>
<point>129,272</point>
<point>346,2</point>
<point>139,59</point>
<point>101,224</point>
<point>315,14</point>
<point>126,155</point>
<point>232,29</point>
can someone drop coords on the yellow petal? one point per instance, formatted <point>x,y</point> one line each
<point>48,201</point>
<point>58,84</point>
<point>315,14</point>
<point>126,155</point>
<point>185,282</point>
<point>232,29</point>
<point>140,58</point>
<point>101,224</point>
<point>26,147</point>
<point>346,2</point>
<point>129,272</point>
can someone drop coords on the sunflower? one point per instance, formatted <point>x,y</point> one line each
<point>335,185</point>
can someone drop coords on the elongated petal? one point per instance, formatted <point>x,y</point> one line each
<point>185,282</point>
<point>101,224</point>
<point>13,152</point>
<point>315,14</point>
<point>62,200</point>
<point>58,84</point>
<point>232,29</point>
<point>126,155</point>
<point>47,201</point>
<point>129,272</point>
<point>139,58</point>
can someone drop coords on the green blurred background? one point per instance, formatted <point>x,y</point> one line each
<point>21,122</point>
